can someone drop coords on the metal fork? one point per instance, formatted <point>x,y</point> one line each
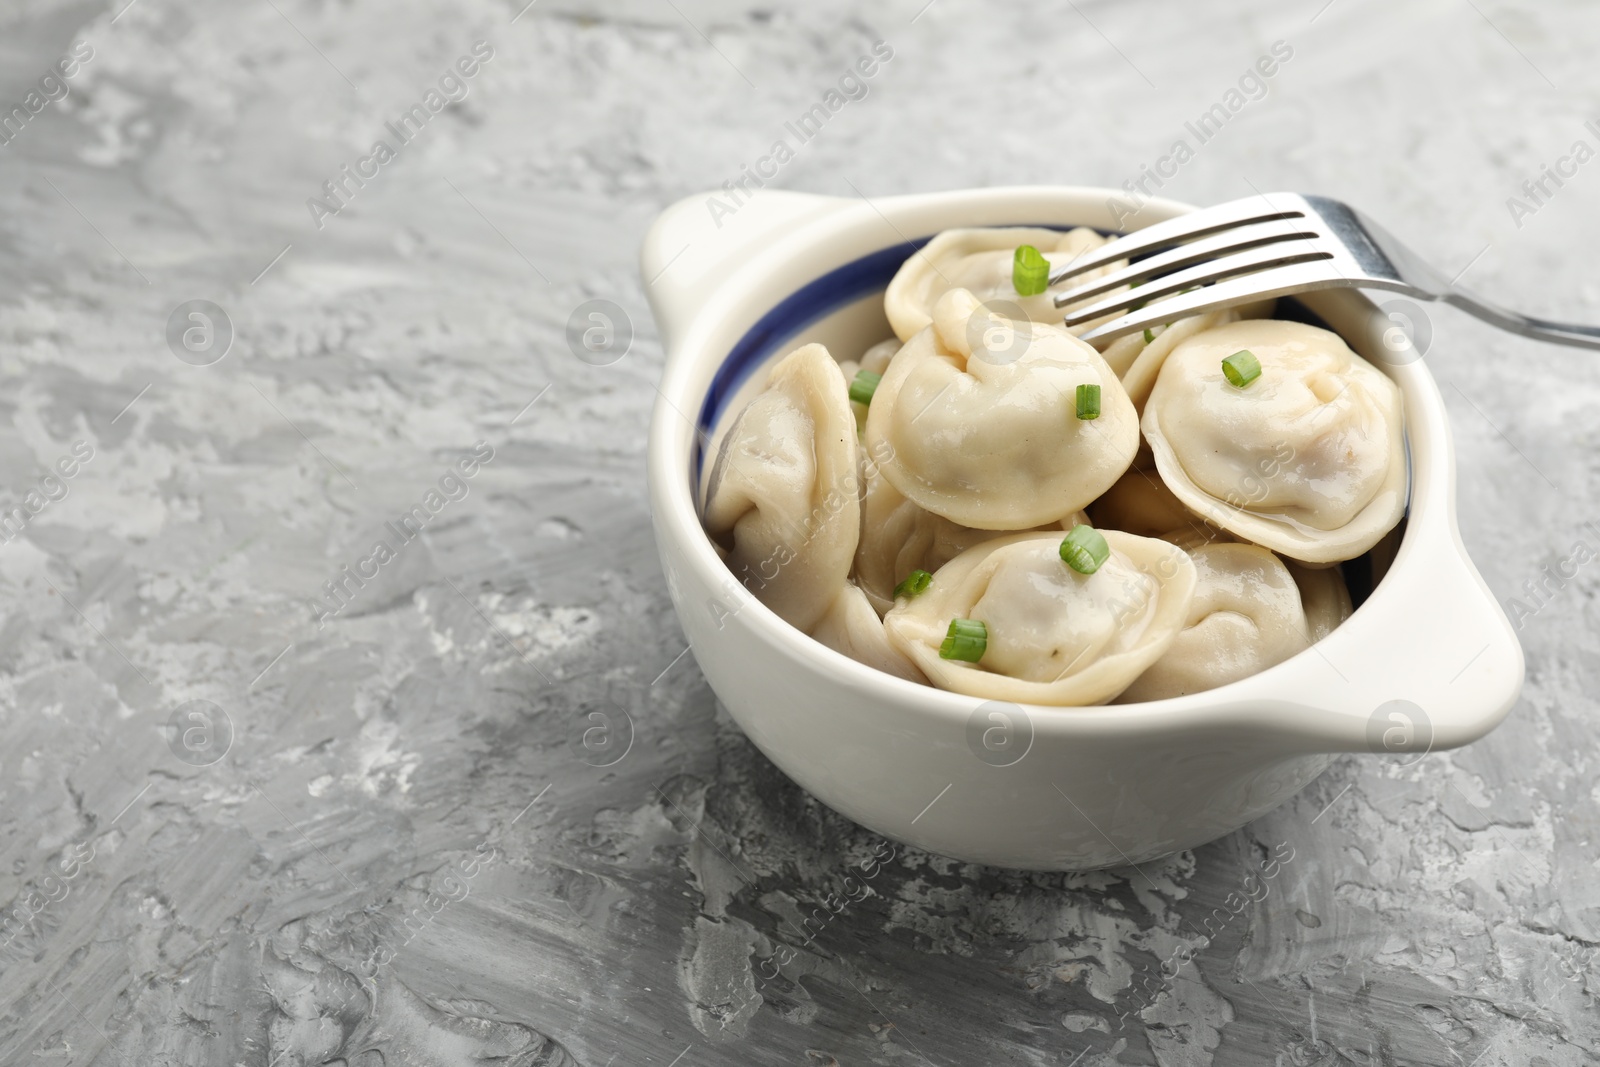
<point>1266,246</point>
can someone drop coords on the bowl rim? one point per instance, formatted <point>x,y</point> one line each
<point>1256,703</point>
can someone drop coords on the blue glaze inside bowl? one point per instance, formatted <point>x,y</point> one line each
<point>838,288</point>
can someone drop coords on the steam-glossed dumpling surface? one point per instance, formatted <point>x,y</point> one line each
<point>784,496</point>
<point>977,414</point>
<point>1054,636</point>
<point>980,261</point>
<point>1306,460</point>
<point>1246,616</point>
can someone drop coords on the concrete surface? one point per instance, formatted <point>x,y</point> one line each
<point>411,824</point>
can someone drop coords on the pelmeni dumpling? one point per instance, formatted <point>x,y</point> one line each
<point>980,261</point>
<point>784,493</point>
<point>875,359</point>
<point>1246,616</point>
<point>1054,636</point>
<point>1306,460</point>
<point>1138,362</point>
<point>1324,596</point>
<point>851,626</point>
<point>978,413</point>
<point>898,537</point>
<point>1132,349</point>
<point>1140,503</point>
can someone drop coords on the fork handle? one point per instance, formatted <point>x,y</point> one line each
<point>1561,333</point>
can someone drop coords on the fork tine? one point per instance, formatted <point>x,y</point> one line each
<point>1250,261</point>
<point>1283,281</point>
<point>1196,224</point>
<point>1236,239</point>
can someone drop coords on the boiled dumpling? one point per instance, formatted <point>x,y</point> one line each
<point>1140,503</point>
<point>852,627</point>
<point>875,359</point>
<point>898,537</point>
<point>1307,459</point>
<point>1137,361</point>
<point>1246,616</point>
<point>1054,636</point>
<point>1324,596</point>
<point>1132,351</point>
<point>978,417</point>
<point>980,261</point>
<point>784,494</point>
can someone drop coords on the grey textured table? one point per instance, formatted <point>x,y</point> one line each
<point>380,837</point>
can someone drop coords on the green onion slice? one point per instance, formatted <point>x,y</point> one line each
<point>1149,335</point>
<point>1030,271</point>
<point>864,385</point>
<point>1088,402</point>
<point>1084,550</point>
<point>1242,367</point>
<point>966,640</point>
<point>916,582</point>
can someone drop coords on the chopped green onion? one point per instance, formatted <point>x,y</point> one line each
<point>1084,549</point>
<point>966,640</point>
<point>1088,402</point>
<point>1149,335</point>
<point>1242,367</point>
<point>1030,271</point>
<point>864,385</point>
<point>916,582</point>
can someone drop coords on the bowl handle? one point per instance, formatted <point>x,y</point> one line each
<point>698,242</point>
<point>1445,669</point>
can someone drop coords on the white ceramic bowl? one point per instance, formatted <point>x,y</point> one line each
<point>1034,787</point>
